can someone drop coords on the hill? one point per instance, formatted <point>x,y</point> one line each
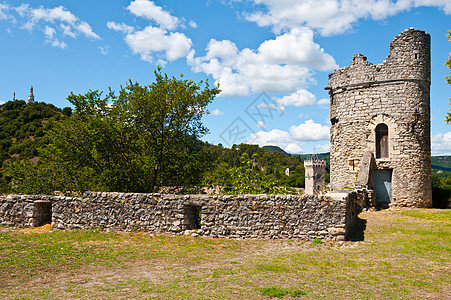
<point>23,127</point>
<point>271,149</point>
<point>441,165</point>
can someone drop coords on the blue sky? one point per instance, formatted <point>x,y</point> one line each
<point>270,57</point>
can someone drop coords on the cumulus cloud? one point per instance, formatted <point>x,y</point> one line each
<point>148,9</point>
<point>323,102</point>
<point>124,28</point>
<point>332,16</point>
<point>50,37</point>
<point>310,131</point>
<point>55,23</point>
<point>293,140</point>
<point>322,148</point>
<point>299,98</point>
<point>154,44</point>
<point>67,31</point>
<point>276,137</point>
<point>441,143</point>
<point>152,40</point>
<point>57,14</point>
<point>216,112</point>
<point>279,65</point>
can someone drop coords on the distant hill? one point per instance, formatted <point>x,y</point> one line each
<point>440,164</point>
<point>23,127</point>
<point>272,149</point>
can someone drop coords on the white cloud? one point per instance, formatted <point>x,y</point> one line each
<point>86,29</point>
<point>324,102</point>
<point>124,28</point>
<point>153,40</point>
<point>49,32</point>
<point>192,24</point>
<point>22,10</point>
<point>294,148</point>
<point>276,137</point>
<point>3,9</point>
<point>260,124</point>
<point>332,16</point>
<point>104,50</point>
<point>148,9</point>
<point>322,148</point>
<point>279,65</point>
<point>53,22</point>
<point>67,31</point>
<point>299,98</point>
<point>57,14</point>
<point>154,44</point>
<point>441,143</point>
<point>293,141</point>
<point>272,106</point>
<point>56,43</point>
<point>310,131</point>
<point>216,112</point>
<point>50,37</point>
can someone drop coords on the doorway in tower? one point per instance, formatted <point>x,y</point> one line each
<point>382,185</point>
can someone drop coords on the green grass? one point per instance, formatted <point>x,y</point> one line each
<point>279,292</point>
<point>405,255</point>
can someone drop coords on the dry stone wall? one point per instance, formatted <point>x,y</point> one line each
<point>242,216</point>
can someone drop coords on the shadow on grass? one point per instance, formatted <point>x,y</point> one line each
<point>357,232</point>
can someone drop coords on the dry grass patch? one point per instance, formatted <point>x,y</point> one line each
<point>405,254</point>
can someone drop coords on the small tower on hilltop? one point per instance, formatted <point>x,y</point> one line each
<point>31,96</point>
<point>314,175</point>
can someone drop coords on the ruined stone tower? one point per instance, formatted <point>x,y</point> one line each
<point>380,117</point>
<point>314,175</point>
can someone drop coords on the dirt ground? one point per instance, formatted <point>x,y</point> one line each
<point>396,255</point>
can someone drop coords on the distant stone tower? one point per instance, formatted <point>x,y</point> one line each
<point>380,117</point>
<point>314,175</point>
<point>31,96</point>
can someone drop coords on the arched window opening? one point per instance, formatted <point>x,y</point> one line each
<point>381,141</point>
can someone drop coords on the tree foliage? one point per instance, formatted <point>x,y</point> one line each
<point>249,169</point>
<point>136,141</point>
<point>448,79</point>
<point>441,191</point>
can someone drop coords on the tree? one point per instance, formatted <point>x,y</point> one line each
<point>143,138</point>
<point>448,79</point>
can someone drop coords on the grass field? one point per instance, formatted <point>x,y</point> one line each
<point>404,254</point>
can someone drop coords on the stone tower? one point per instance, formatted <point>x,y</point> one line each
<point>314,175</point>
<point>31,96</point>
<point>380,117</point>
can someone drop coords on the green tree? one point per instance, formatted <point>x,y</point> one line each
<point>448,79</point>
<point>143,138</point>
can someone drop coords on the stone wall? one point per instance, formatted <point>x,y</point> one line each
<point>394,93</point>
<point>243,216</point>
<point>26,210</point>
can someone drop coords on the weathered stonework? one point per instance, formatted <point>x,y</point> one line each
<point>314,175</point>
<point>327,217</point>
<point>384,109</point>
